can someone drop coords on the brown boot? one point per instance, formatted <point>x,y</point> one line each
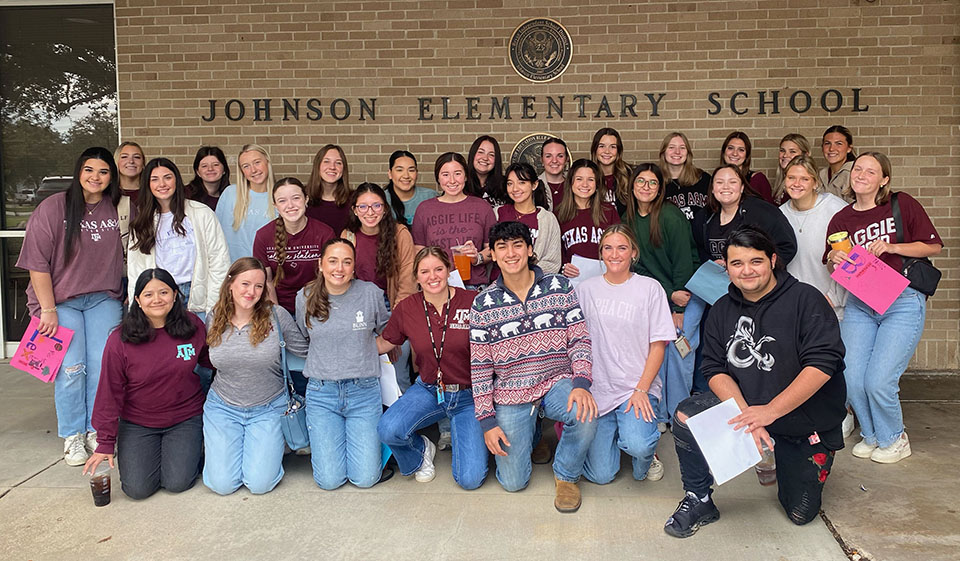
<point>568,496</point>
<point>542,454</point>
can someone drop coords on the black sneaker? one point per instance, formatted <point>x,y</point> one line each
<point>691,513</point>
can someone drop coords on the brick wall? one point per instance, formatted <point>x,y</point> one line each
<point>903,56</point>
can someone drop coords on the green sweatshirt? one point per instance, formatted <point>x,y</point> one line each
<point>674,262</point>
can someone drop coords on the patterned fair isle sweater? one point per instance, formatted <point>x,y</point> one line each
<point>518,350</point>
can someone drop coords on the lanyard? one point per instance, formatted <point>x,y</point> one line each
<point>438,354</point>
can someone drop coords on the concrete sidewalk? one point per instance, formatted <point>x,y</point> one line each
<point>46,510</point>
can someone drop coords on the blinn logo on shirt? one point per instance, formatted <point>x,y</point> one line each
<point>358,323</point>
<point>186,352</point>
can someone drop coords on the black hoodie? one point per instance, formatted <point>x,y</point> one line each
<point>764,345</point>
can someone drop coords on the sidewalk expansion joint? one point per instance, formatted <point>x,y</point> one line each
<point>852,553</point>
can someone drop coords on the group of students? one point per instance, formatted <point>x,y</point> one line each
<point>219,274</point>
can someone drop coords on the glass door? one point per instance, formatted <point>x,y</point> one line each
<point>58,96</point>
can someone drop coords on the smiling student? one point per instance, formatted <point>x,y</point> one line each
<point>529,207</point>
<point>72,248</point>
<point>529,345</point>
<point>456,218</point>
<point>687,185</point>
<point>630,326</point>
<point>837,146</point>
<point>791,146</point>
<point>247,206</point>
<point>555,158</point>
<point>737,150</point>
<point>786,377</point>
<point>606,150</point>
<point>178,235</point>
<point>435,321</point>
<point>130,160</point>
<point>149,402</point>
<point>328,188</point>
<point>211,176</point>
<point>404,193</point>
<point>583,215</point>
<point>342,317</point>
<point>485,171</point>
<point>290,245</point>
<point>880,345</point>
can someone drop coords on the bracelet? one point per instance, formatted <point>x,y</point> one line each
<point>48,310</point>
<point>479,258</point>
<point>639,390</point>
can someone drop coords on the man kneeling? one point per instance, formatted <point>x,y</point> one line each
<point>772,344</point>
<point>529,344</point>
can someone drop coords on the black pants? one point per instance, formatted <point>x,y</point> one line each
<point>151,458</point>
<point>802,468</point>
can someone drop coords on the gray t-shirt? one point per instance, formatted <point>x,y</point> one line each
<point>345,346</point>
<point>247,375</point>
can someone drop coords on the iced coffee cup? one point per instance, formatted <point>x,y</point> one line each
<point>100,484</point>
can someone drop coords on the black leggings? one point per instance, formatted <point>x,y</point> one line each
<point>802,468</point>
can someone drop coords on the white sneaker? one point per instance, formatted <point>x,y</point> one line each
<point>893,453</point>
<point>444,442</point>
<point>74,452</point>
<point>303,451</point>
<point>90,442</point>
<point>848,425</point>
<point>426,473</point>
<point>655,471</point>
<point>863,450</point>
<point>662,427</point>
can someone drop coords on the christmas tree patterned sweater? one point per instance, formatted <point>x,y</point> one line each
<point>519,350</point>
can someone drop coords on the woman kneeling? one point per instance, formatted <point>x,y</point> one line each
<point>149,399</point>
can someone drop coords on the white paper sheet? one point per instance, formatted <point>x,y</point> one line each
<point>455,280</point>
<point>589,268</point>
<point>389,389</point>
<point>728,452</point>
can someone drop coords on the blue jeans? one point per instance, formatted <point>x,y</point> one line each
<point>618,431</point>
<point>517,422</point>
<point>878,350</point>
<point>677,372</point>
<point>91,317</point>
<point>243,445</point>
<point>342,417</point>
<point>418,408</point>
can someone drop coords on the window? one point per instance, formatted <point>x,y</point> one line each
<point>58,93</point>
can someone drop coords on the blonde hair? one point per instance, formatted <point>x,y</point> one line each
<point>690,174</point>
<point>804,145</point>
<point>807,163</point>
<point>243,187</point>
<point>625,231</point>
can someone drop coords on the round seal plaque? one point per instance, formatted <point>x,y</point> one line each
<point>528,150</point>
<point>540,49</point>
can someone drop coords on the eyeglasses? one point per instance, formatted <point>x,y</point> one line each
<point>653,183</point>
<point>375,207</point>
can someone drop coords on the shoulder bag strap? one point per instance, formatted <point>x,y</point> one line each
<point>287,380</point>
<point>897,219</point>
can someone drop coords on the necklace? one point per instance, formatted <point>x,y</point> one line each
<point>92,210</point>
<point>611,283</point>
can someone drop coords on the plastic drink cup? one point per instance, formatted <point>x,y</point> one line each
<point>840,241</point>
<point>100,484</point>
<point>462,261</point>
<point>767,468</point>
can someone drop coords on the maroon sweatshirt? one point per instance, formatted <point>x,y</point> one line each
<point>151,384</point>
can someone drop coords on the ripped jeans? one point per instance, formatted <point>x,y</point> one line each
<point>91,317</point>
<point>802,468</point>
